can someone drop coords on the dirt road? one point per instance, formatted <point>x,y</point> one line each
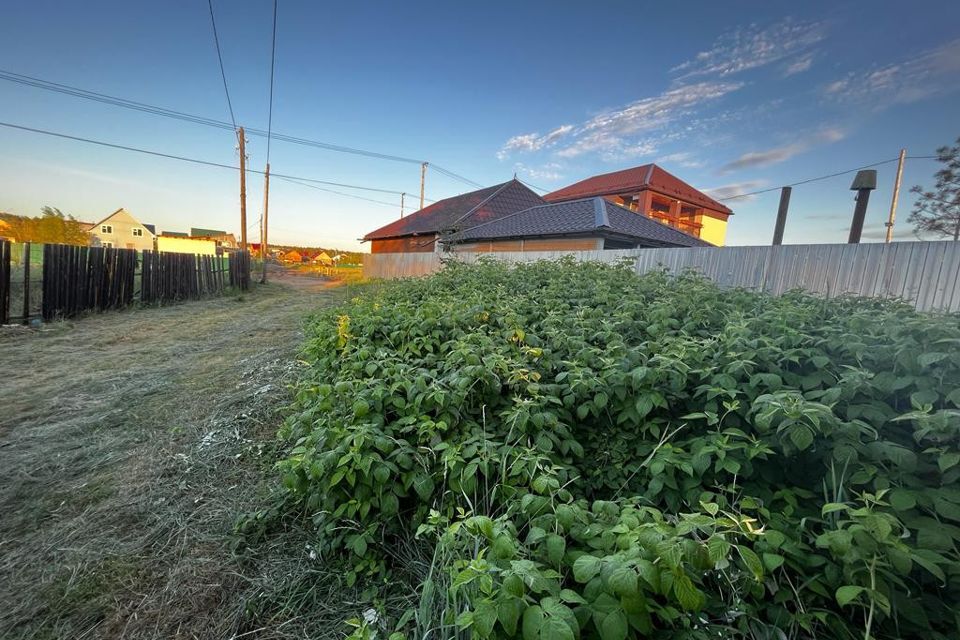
<point>129,443</point>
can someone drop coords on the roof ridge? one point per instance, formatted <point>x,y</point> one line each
<point>600,218</point>
<point>483,202</point>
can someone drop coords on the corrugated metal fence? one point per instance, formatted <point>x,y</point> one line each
<point>926,274</point>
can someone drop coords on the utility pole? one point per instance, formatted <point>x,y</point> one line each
<point>896,195</point>
<point>402,195</point>
<point>423,178</point>
<point>263,228</point>
<point>243,189</point>
<point>782,215</point>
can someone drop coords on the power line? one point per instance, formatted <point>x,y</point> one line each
<point>223,74</point>
<point>115,101</point>
<point>830,175</point>
<point>187,159</point>
<point>273,56</point>
<point>532,186</point>
<point>339,193</point>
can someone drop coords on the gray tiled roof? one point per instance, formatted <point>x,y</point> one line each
<point>589,215</point>
<point>460,212</point>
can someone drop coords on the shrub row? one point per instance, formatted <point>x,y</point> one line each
<point>595,454</point>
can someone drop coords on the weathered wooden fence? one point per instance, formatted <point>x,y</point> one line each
<point>926,274</point>
<point>4,282</point>
<point>69,280</point>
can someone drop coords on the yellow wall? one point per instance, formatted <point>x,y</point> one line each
<point>170,244</point>
<point>713,230</point>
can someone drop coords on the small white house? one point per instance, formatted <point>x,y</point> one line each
<point>121,230</point>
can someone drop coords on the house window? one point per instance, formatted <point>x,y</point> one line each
<point>108,244</point>
<point>138,232</point>
<point>106,228</point>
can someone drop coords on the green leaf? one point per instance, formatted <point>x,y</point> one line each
<point>484,617</point>
<point>687,594</point>
<point>751,561</point>
<point>830,507</point>
<point>623,581</point>
<point>718,548</point>
<point>509,610</point>
<point>532,622</point>
<point>902,500</point>
<point>556,546</point>
<point>423,484</point>
<point>847,594</point>
<point>948,460</point>
<point>801,436</point>
<point>772,561</point>
<point>569,595</point>
<point>611,625</point>
<point>585,568</point>
<point>555,629</point>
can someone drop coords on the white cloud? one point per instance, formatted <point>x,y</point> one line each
<point>736,190</point>
<point>533,141</point>
<point>751,46</point>
<point>613,133</point>
<point>681,159</point>
<point>549,171</point>
<point>776,155</point>
<point>799,65</point>
<point>932,72</point>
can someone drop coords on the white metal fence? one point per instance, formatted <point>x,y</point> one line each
<point>927,274</point>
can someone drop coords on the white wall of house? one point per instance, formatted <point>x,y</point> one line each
<point>122,231</point>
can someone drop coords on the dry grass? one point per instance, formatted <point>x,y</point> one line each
<point>129,444</point>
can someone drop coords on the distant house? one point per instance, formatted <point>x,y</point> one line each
<point>120,229</point>
<point>589,224</point>
<point>656,194</point>
<point>177,244</point>
<point>322,258</point>
<point>222,238</point>
<point>420,231</point>
<point>292,256</point>
<point>174,234</point>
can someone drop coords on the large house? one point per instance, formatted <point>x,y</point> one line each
<point>121,230</point>
<point>659,195</point>
<point>640,207</point>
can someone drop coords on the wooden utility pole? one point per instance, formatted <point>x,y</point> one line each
<point>423,179</point>
<point>26,283</point>
<point>782,215</point>
<point>402,195</point>
<point>896,195</point>
<point>263,228</point>
<point>243,189</point>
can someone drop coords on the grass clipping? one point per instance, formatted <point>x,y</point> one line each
<point>563,450</point>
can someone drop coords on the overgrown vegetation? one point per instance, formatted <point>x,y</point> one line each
<point>572,451</point>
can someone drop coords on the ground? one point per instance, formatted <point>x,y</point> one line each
<point>130,442</point>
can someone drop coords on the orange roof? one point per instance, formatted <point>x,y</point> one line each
<point>645,177</point>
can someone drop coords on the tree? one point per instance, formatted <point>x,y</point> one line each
<point>938,211</point>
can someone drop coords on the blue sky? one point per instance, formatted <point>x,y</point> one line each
<point>732,98</point>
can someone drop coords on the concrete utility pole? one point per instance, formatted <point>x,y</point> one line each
<point>782,214</point>
<point>401,203</point>
<point>896,195</point>
<point>243,189</point>
<point>263,228</point>
<point>423,179</point>
<point>863,184</point>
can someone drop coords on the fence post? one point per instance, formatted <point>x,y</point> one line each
<point>26,283</point>
<point>5,248</point>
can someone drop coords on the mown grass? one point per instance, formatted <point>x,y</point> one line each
<point>130,443</point>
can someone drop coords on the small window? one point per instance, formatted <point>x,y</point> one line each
<point>106,228</point>
<point>138,232</point>
<point>108,244</point>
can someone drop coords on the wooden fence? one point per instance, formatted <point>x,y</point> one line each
<point>75,279</point>
<point>4,282</point>
<point>926,274</point>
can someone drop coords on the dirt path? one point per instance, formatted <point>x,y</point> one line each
<point>129,443</point>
